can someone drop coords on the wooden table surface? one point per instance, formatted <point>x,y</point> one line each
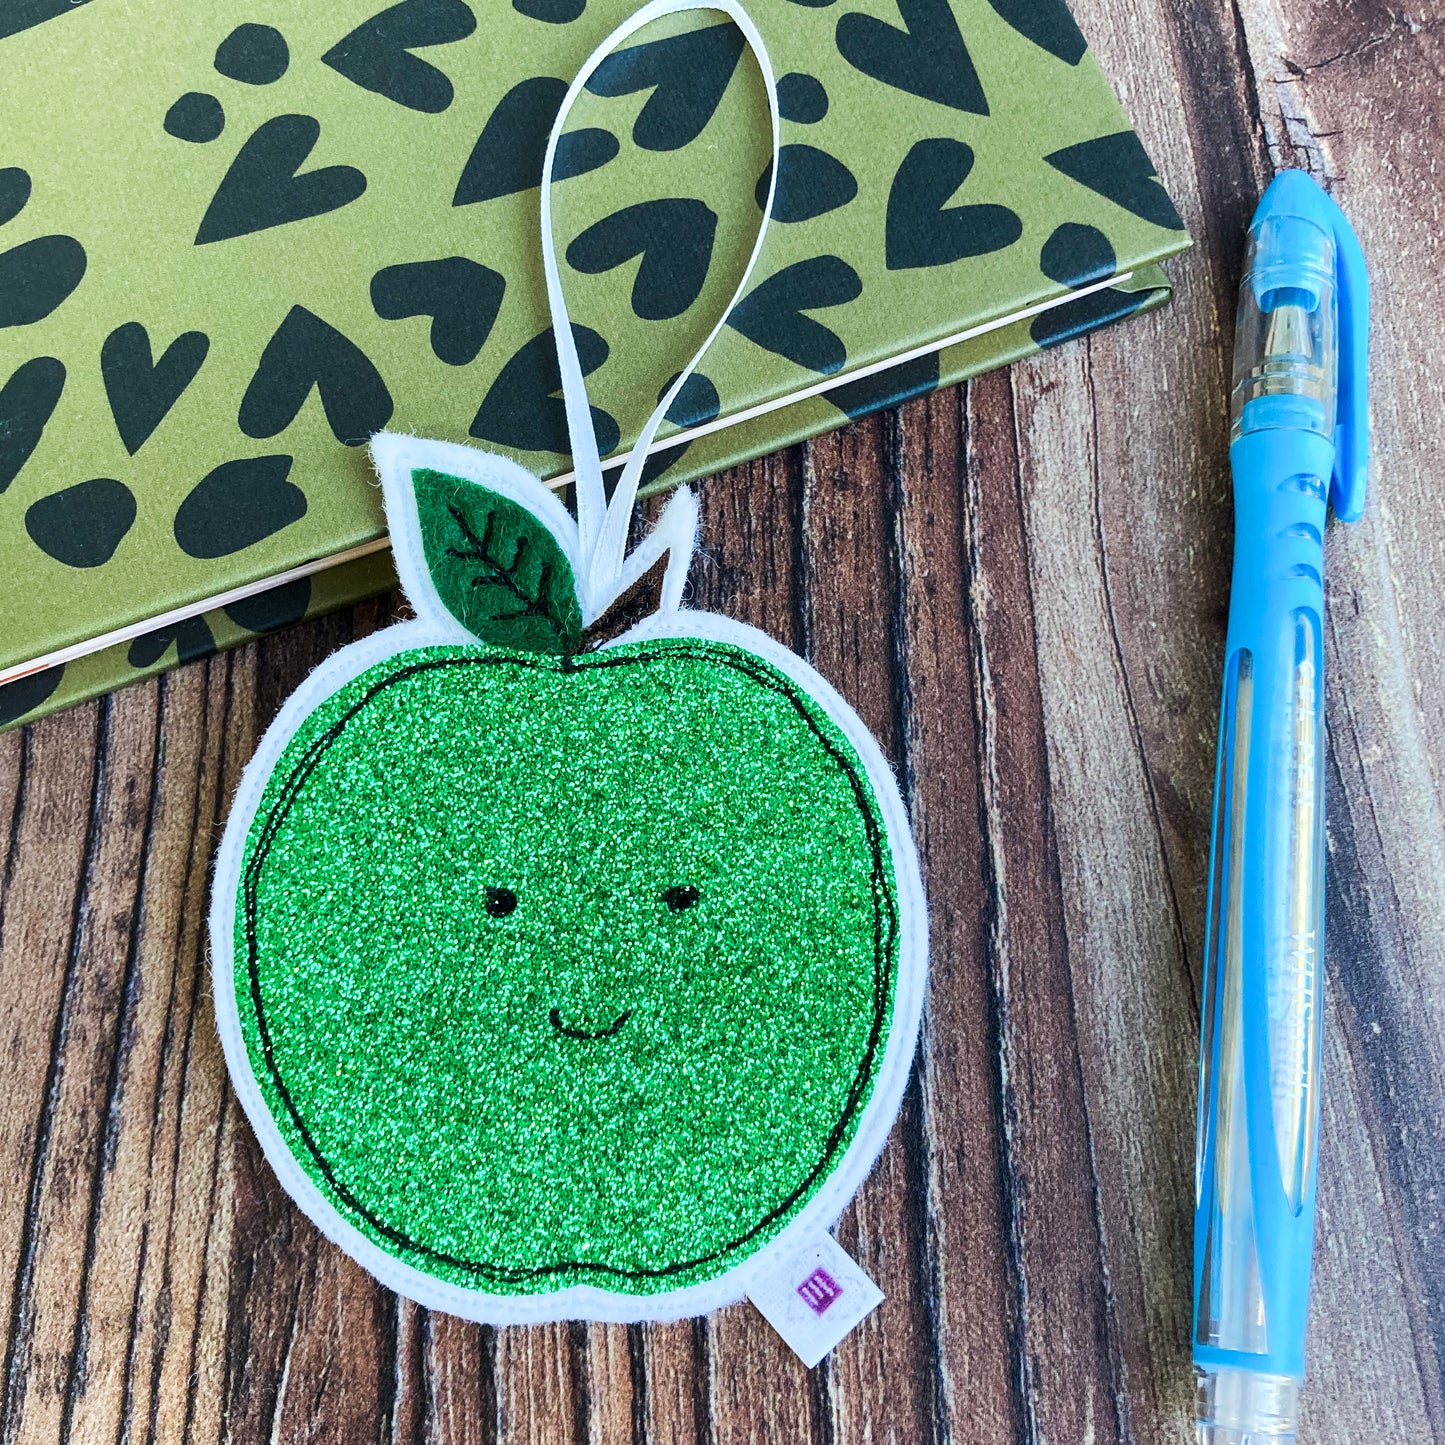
<point>1021,586</point>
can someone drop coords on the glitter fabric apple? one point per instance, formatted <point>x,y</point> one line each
<point>562,977</point>
<point>562,973</point>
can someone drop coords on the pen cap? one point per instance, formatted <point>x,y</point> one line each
<point>1301,340</point>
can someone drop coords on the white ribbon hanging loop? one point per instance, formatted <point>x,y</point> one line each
<point>604,527</point>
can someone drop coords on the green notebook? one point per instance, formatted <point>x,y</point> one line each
<point>237,240</point>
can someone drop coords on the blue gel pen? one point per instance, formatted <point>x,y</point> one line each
<point>1298,440</point>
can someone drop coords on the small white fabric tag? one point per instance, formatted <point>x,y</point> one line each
<point>818,1295</point>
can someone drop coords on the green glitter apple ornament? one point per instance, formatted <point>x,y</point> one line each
<point>564,977</point>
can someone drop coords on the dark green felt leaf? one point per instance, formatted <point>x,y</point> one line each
<point>497,569</point>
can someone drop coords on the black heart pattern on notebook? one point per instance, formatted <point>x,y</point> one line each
<point>265,186</point>
<point>253,54</point>
<point>676,86</point>
<point>197,117</point>
<point>35,278</point>
<point>697,402</point>
<point>274,608</point>
<point>191,639</point>
<point>687,75</point>
<point>307,352</point>
<point>553,12</point>
<point>927,58</point>
<point>82,525</point>
<point>1078,255</point>
<point>27,402</point>
<point>377,54</point>
<point>921,229</point>
<point>522,407</point>
<point>802,98</point>
<point>461,296</point>
<point>1118,167</point>
<point>142,391</point>
<point>508,155</point>
<point>810,183</point>
<point>37,275</point>
<point>673,236</point>
<point>236,505</point>
<point>26,694</point>
<point>18,15</point>
<point>14,192</point>
<point>889,387</point>
<point>771,314</point>
<point>580,151</point>
<point>1048,23</point>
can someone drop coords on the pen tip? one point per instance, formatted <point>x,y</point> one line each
<point>1210,1434</point>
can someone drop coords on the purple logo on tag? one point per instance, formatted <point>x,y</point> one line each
<point>820,1290</point>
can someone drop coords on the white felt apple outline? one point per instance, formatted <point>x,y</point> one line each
<point>566,978</point>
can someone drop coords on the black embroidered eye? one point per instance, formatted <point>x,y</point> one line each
<point>500,902</point>
<point>680,896</point>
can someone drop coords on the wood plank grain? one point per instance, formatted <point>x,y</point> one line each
<point>1068,1348</point>
<point>53,839</point>
<point>879,1377</point>
<point>675,1385</point>
<point>1020,585</point>
<point>616,1405</point>
<point>143,1274</point>
<point>1130,975</point>
<point>79,1109</point>
<point>540,1385</point>
<point>463,1398</point>
<point>965,1264</point>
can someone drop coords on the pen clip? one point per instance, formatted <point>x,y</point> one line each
<point>1352,399</point>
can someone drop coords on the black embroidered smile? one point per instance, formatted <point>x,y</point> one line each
<point>574,1033</point>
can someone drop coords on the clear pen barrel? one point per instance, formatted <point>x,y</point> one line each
<point>1282,870</point>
